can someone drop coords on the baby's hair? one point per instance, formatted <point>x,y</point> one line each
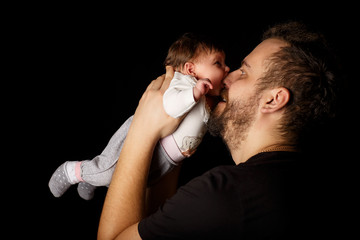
<point>188,47</point>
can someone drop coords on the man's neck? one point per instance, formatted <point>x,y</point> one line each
<point>257,142</point>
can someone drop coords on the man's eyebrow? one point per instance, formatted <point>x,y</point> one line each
<point>245,63</point>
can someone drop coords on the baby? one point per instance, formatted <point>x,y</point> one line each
<point>199,70</point>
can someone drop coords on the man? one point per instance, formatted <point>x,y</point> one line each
<point>282,87</point>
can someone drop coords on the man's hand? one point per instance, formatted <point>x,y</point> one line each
<point>201,88</point>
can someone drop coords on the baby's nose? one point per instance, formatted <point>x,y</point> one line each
<point>227,82</point>
<point>227,69</point>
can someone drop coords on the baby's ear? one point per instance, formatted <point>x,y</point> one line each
<point>189,69</point>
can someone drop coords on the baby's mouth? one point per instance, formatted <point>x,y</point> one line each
<point>214,100</point>
<point>224,95</point>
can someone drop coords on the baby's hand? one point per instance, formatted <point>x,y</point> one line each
<point>201,88</point>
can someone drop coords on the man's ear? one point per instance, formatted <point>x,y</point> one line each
<point>189,69</point>
<point>275,100</point>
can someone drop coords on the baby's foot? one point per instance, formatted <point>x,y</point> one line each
<point>86,190</point>
<point>67,174</point>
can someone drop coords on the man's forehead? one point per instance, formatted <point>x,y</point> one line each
<point>263,51</point>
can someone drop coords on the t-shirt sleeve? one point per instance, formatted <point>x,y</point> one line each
<point>197,210</point>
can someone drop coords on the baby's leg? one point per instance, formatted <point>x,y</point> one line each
<point>86,190</point>
<point>174,148</point>
<point>97,172</point>
<point>160,165</point>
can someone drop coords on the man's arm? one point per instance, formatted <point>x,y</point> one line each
<point>125,204</point>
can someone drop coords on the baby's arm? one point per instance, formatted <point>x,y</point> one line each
<point>201,88</point>
<point>178,101</point>
<point>182,95</point>
<point>179,97</point>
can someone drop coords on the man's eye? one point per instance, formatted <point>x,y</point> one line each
<point>242,72</point>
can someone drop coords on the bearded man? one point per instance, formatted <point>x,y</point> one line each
<point>283,86</point>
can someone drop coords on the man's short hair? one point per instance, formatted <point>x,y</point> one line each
<point>305,67</point>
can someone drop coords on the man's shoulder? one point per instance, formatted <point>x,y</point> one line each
<point>218,182</point>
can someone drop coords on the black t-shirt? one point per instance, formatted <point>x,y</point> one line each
<point>267,197</point>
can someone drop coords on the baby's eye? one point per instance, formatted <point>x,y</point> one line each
<point>218,63</point>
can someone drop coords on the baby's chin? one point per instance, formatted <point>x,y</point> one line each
<point>214,92</point>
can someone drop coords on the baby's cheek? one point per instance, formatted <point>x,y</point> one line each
<point>217,84</point>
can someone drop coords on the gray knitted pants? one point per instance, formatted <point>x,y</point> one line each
<point>99,170</point>
<point>90,174</point>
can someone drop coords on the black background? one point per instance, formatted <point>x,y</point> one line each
<point>77,73</point>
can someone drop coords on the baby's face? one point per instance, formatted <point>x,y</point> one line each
<point>213,67</point>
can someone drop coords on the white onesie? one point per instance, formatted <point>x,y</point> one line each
<point>179,100</point>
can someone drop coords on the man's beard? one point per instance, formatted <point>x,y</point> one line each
<point>234,122</point>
